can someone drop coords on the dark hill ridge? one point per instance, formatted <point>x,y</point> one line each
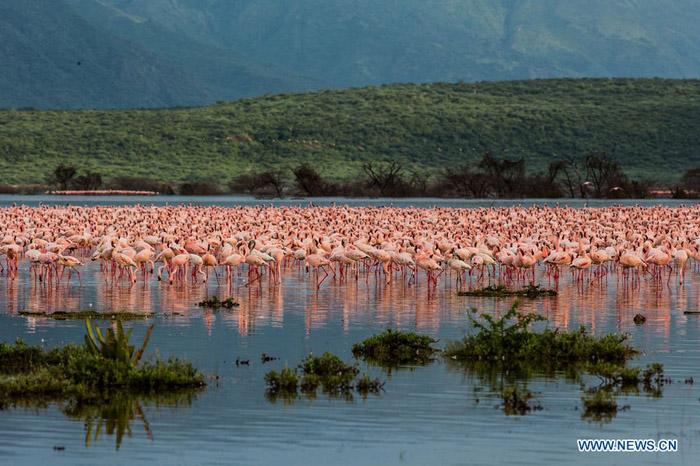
<point>650,126</point>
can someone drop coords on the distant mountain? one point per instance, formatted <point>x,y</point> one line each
<point>137,53</point>
<point>53,58</point>
<point>360,42</point>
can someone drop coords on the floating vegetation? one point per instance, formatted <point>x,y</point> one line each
<point>393,348</point>
<point>600,405</point>
<point>496,340</point>
<point>88,314</point>
<point>215,304</point>
<point>639,319</point>
<point>265,358</point>
<point>91,373</point>
<point>501,291</point>
<point>327,372</point>
<point>516,401</point>
<point>366,385</point>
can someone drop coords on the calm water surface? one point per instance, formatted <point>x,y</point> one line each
<point>437,414</point>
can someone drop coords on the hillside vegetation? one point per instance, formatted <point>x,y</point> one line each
<point>649,126</point>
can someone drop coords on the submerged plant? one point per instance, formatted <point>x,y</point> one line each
<point>600,405</point>
<point>367,385</point>
<point>114,345</point>
<point>515,401</point>
<point>393,347</point>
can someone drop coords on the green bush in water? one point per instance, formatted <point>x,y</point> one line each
<point>393,347</point>
<point>498,341</point>
<point>330,370</point>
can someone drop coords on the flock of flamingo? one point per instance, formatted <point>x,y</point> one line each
<point>186,243</point>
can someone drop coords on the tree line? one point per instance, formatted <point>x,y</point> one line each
<point>592,175</point>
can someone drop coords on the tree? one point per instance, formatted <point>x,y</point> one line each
<point>61,176</point>
<point>89,181</point>
<point>385,177</point>
<point>572,173</point>
<point>265,183</point>
<point>307,181</point>
<point>605,174</point>
<point>505,176</point>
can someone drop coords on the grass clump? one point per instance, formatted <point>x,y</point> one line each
<point>497,340</point>
<point>501,291</point>
<point>215,304</point>
<point>393,348</point>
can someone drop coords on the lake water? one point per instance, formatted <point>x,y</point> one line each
<point>436,414</point>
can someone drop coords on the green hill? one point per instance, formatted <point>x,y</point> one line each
<point>650,126</point>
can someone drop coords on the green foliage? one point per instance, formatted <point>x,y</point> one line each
<point>284,381</point>
<point>393,348</point>
<point>328,372</point>
<point>115,345</point>
<point>497,340</point>
<point>28,374</point>
<point>328,369</point>
<point>540,121</point>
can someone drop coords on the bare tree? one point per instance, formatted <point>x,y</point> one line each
<point>385,177</point>
<point>605,174</point>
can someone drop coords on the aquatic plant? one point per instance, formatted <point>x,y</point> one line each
<point>501,291</point>
<point>284,381</point>
<point>367,385</point>
<point>497,340</point>
<point>328,369</point>
<point>600,405</point>
<point>393,347</point>
<point>30,375</point>
<point>88,314</point>
<point>115,345</point>
<point>329,372</point>
<point>215,304</point>
<point>515,401</point>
